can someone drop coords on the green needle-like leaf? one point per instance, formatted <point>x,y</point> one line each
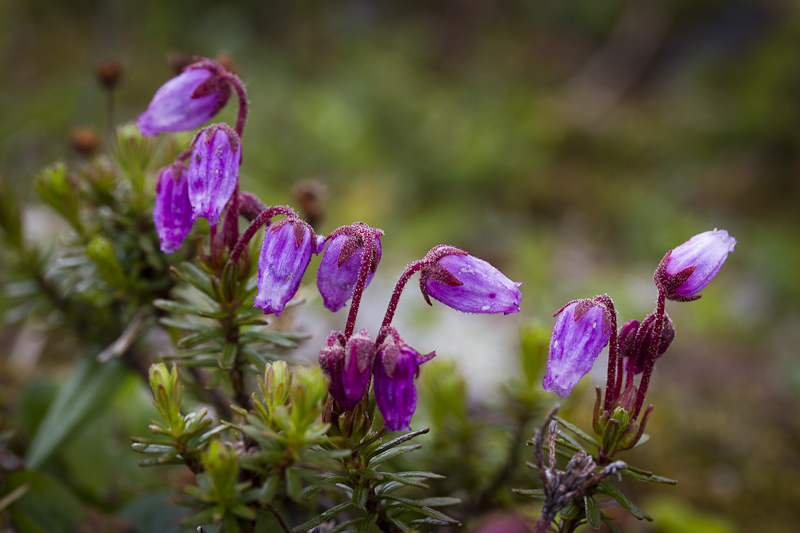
<point>324,517</point>
<point>592,513</point>
<point>577,431</point>
<point>607,488</point>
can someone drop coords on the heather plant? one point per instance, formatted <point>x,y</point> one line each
<point>276,444</point>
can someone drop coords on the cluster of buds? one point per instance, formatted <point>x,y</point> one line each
<point>207,186</point>
<point>584,327</point>
<point>351,361</point>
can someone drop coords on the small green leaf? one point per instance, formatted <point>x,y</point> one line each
<point>175,307</point>
<point>294,487</point>
<point>437,502</point>
<point>607,488</point>
<point>360,495</point>
<point>182,324</point>
<point>532,493</point>
<point>190,341</point>
<point>227,358</point>
<point>567,444</point>
<point>569,511</point>
<point>152,448</point>
<point>192,274</point>
<point>648,477</point>
<point>268,489</point>
<point>398,441</point>
<point>611,525</point>
<point>388,454</point>
<point>216,379</point>
<point>367,523</point>
<point>345,525</point>
<point>577,431</point>
<point>592,513</point>
<point>324,517</point>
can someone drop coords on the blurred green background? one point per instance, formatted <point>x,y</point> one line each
<point>570,143</point>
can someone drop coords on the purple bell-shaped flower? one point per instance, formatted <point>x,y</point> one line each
<point>396,367</point>
<point>172,213</point>
<point>213,171</point>
<point>359,355</point>
<point>467,283</point>
<point>686,270</point>
<point>341,262</point>
<point>348,366</point>
<point>582,330</point>
<point>187,100</point>
<point>285,254</point>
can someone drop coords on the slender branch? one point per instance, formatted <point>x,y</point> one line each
<point>259,221</point>
<point>238,86</point>
<point>363,273</point>
<point>410,270</point>
<point>278,517</point>
<point>652,352</point>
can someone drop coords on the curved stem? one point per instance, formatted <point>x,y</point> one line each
<point>278,517</point>
<point>410,270</point>
<point>259,221</point>
<point>613,346</point>
<point>241,117</point>
<point>652,352</point>
<point>361,282</point>
<point>231,225</point>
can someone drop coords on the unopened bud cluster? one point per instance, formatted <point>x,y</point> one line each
<point>584,327</point>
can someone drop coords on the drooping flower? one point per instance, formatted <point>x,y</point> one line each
<point>172,213</point>
<point>581,332</point>
<point>213,171</point>
<point>359,354</point>
<point>396,367</point>
<point>331,361</point>
<point>285,254</point>
<point>341,262</point>
<point>637,357</point>
<point>704,253</point>
<point>187,100</point>
<point>348,366</point>
<point>467,283</point>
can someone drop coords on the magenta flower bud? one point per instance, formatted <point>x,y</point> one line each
<point>637,360</point>
<point>213,171</point>
<point>338,269</point>
<point>187,100</point>
<point>627,337</point>
<point>467,283</point>
<point>359,354</point>
<point>172,213</point>
<point>285,254</point>
<point>331,361</point>
<point>396,367</point>
<point>691,266</point>
<point>581,332</point>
